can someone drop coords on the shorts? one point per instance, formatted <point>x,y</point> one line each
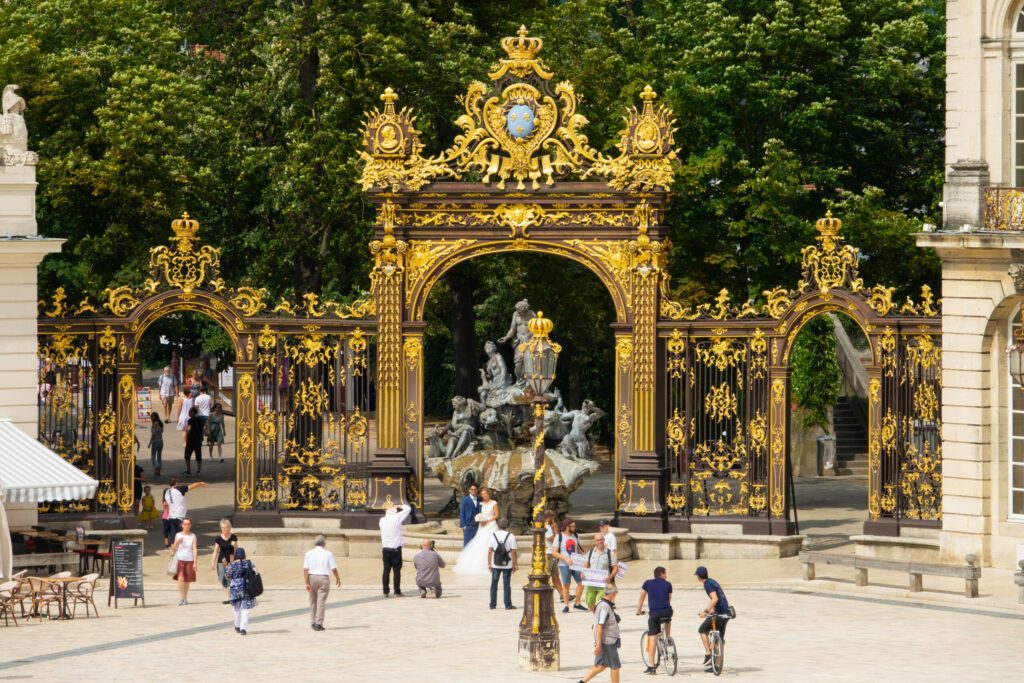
<point>591,595</point>
<point>565,573</point>
<point>654,620</point>
<point>193,449</point>
<point>609,657</point>
<point>552,566</point>
<point>705,626</point>
<point>186,571</point>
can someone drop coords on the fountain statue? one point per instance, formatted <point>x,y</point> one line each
<point>490,442</point>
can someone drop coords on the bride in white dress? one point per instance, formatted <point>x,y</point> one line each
<point>473,559</point>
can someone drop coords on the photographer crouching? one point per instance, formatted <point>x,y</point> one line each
<point>428,565</point>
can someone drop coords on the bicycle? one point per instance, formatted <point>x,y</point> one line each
<point>717,642</point>
<point>664,649</point>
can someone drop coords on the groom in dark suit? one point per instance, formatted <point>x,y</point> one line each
<point>469,508</point>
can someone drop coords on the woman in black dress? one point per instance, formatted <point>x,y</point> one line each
<point>223,551</point>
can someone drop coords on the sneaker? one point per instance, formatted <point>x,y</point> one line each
<point>184,602</point>
<point>243,632</point>
<point>511,607</point>
<point>492,606</point>
<point>186,473</point>
<point>226,602</point>
<point>313,626</point>
<point>565,610</point>
<point>707,660</point>
<point>237,630</point>
<point>398,594</point>
<point>651,670</point>
<point>180,603</point>
<point>222,460</point>
<point>580,608</point>
<point>318,627</point>
<point>423,592</point>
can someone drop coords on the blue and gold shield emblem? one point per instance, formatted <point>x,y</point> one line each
<point>519,121</point>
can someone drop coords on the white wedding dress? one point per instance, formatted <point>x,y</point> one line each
<point>473,558</point>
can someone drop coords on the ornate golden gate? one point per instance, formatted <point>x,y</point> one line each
<point>726,398</point>
<point>302,384</point>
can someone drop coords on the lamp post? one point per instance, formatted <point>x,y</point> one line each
<point>538,630</point>
<point>1015,353</point>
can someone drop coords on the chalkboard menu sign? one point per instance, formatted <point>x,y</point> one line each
<point>126,572</point>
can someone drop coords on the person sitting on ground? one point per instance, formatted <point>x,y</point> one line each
<point>428,565</point>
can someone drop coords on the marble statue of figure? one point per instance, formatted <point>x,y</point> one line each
<point>13,133</point>
<point>519,330</point>
<point>456,437</point>
<point>494,374</point>
<point>576,444</point>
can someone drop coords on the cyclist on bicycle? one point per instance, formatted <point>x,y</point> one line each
<point>717,604</point>
<point>659,591</point>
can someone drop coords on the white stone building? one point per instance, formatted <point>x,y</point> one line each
<point>21,250</point>
<point>981,236</point>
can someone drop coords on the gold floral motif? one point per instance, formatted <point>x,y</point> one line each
<point>624,425</point>
<point>676,498</point>
<point>120,301</point>
<point>832,265</point>
<point>365,307</point>
<point>522,131</point>
<point>249,300</point>
<point>106,434</point>
<point>779,417</point>
<point>676,433</point>
<point>720,403</point>
<point>412,348</point>
<point>723,352</point>
<point>357,426</point>
<point>355,493</point>
<point>106,496</point>
<point>624,354</point>
<point>184,268</point>
<point>357,348</point>
<point>676,347</point>
<point>59,309</point>
<point>880,299</point>
<point>887,344</point>
<point>874,448</point>
<point>266,491</point>
<point>777,302</point>
<point>266,426</point>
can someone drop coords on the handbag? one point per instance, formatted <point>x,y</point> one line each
<point>172,565</point>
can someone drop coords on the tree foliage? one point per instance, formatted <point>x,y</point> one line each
<point>246,113</point>
<point>816,377</point>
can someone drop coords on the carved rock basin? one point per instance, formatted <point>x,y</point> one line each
<point>509,476</point>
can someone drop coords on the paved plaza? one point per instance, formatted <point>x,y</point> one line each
<point>821,631</point>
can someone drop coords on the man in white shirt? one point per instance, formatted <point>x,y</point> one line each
<point>203,403</point>
<point>168,385</point>
<point>177,509</point>
<point>605,527</point>
<point>316,570</point>
<point>391,545</point>
<point>502,558</point>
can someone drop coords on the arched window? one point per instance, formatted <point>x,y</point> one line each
<point>1015,428</point>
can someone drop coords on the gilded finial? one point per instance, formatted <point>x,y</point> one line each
<point>389,96</point>
<point>648,94</point>
<point>540,327</point>
<point>521,46</point>
<point>829,226</point>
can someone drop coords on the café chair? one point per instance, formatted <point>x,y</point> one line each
<point>99,558</point>
<point>82,592</point>
<point>7,601</point>
<point>45,593</point>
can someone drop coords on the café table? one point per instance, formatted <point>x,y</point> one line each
<point>66,581</point>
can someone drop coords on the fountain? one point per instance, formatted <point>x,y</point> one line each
<point>490,441</point>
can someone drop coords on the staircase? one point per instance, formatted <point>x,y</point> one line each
<point>851,439</point>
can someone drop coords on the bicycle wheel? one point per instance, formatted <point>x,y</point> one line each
<point>643,651</point>
<point>717,653</point>
<point>669,660</point>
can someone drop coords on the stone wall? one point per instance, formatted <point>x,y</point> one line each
<point>978,299</point>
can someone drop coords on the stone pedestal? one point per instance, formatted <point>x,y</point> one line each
<point>963,194</point>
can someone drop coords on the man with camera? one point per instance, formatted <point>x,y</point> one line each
<point>428,565</point>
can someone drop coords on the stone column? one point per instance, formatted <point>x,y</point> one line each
<point>21,250</point>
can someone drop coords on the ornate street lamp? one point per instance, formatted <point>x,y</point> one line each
<point>538,630</point>
<point>1016,353</point>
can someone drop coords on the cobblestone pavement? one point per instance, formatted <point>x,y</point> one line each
<point>783,632</point>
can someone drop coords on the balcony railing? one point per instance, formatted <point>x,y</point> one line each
<point>1004,208</point>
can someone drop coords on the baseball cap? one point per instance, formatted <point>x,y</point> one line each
<point>567,521</point>
<point>702,572</point>
<point>604,522</point>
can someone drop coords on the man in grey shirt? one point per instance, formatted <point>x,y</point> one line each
<point>606,636</point>
<point>428,569</point>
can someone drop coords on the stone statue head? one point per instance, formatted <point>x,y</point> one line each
<point>459,402</point>
<point>522,306</point>
<point>490,348</point>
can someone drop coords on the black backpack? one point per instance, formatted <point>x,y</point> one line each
<point>501,555</point>
<point>253,582</point>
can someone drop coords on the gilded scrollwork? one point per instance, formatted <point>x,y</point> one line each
<point>121,300</point>
<point>830,264</point>
<point>184,267</point>
<point>521,129</point>
<point>249,300</point>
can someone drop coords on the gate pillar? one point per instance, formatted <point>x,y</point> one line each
<point>124,467</point>
<point>779,467</point>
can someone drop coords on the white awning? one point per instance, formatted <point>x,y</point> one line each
<point>32,473</point>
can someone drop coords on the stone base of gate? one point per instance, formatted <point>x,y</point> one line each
<point>719,546</point>
<point>901,548</point>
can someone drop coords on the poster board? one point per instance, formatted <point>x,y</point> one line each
<point>143,403</point>
<point>126,572</point>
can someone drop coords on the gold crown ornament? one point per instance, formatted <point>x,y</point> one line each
<point>540,326</point>
<point>185,228</point>
<point>520,46</point>
<point>829,226</point>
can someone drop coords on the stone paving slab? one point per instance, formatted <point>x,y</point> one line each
<point>781,634</point>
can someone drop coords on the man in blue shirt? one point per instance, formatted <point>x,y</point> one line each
<point>717,604</point>
<point>659,593</point>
